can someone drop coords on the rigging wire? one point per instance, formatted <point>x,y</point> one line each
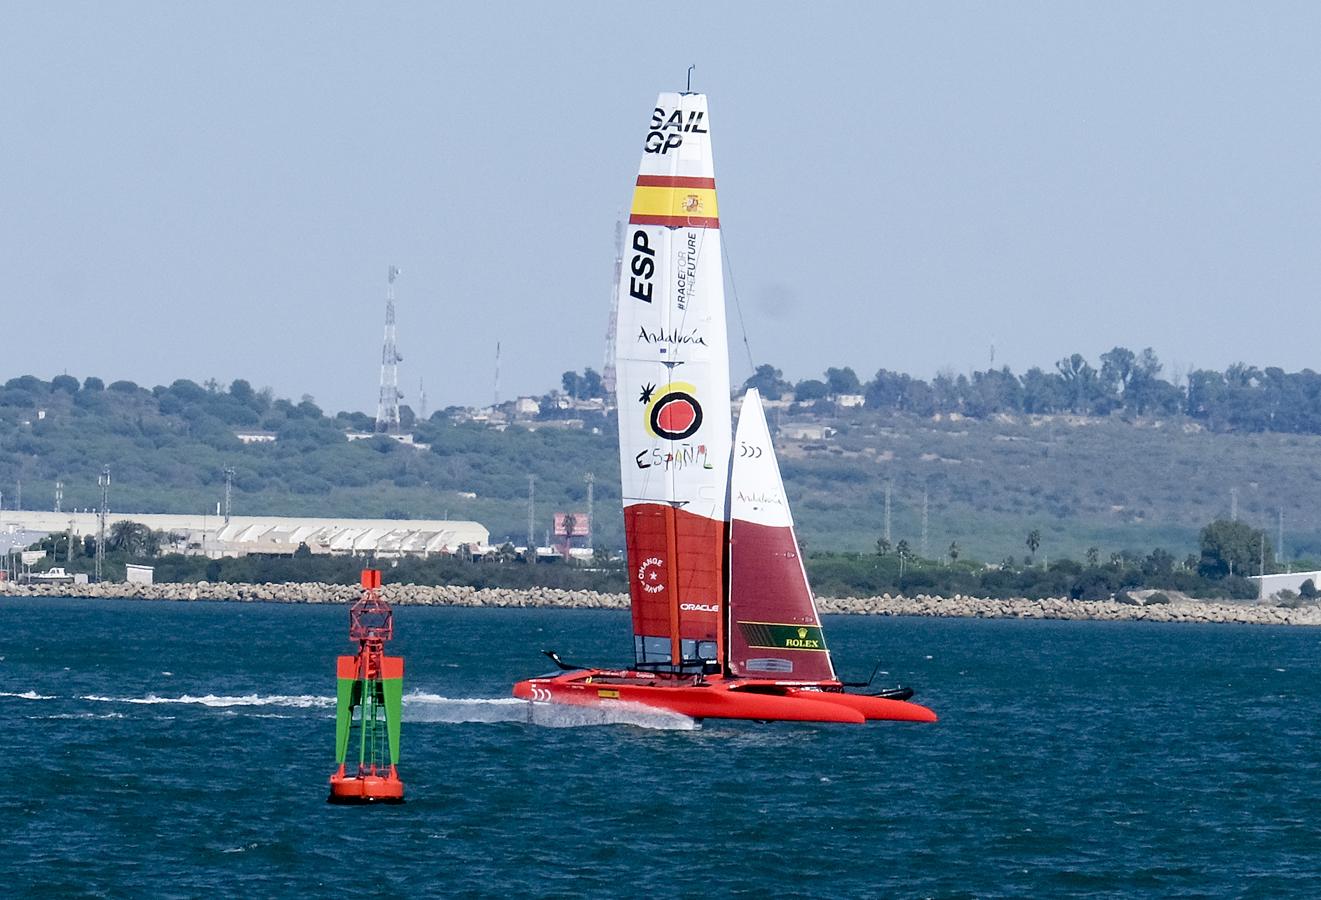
<point>738,307</point>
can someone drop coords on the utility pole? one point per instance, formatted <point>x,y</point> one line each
<point>1279,537</point>
<point>496,398</point>
<point>104,482</point>
<point>591,508</point>
<point>59,496</point>
<point>1233,504</point>
<point>18,494</point>
<point>421,400</point>
<point>531,518</point>
<point>924,521</point>
<point>229,489</point>
<point>387,407</point>
<point>887,509</point>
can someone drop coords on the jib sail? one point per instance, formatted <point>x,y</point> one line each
<point>672,390</point>
<point>774,629</point>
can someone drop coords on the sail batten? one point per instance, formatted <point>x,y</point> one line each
<point>672,392</point>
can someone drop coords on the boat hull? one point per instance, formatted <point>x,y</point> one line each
<point>715,697</point>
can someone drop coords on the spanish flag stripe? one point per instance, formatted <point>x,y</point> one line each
<point>669,201</point>
<point>675,221</point>
<point>676,181</point>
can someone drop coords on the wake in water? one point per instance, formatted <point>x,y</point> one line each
<point>299,701</point>
<point>26,695</point>
<point>422,707</point>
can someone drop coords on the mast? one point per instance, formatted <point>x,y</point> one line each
<point>672,394</point>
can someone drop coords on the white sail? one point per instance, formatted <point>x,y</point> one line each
<point>774,628</point>
<point>672,370</point>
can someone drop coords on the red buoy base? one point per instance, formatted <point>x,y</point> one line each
<point>365,789</point>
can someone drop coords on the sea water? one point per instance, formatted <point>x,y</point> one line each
<point>173,749</point>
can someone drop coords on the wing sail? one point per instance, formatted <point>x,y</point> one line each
<point>672,391</point>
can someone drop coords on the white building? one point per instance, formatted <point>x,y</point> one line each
<point>275,535</point>
<point>1270,585</point>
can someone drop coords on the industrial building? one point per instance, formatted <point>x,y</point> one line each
<point>1270,585</point>
<point>212,536</point>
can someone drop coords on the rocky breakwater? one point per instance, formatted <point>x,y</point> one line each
<point>1138,607</point>
<point>320,592</point>
<point>1181,610</point>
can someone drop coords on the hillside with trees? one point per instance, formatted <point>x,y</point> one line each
<point>1112,457</point>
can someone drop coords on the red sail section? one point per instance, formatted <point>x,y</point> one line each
<point>674,560</point>
<point>774,630</point>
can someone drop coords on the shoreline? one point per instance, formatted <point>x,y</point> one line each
<point>958,606</point>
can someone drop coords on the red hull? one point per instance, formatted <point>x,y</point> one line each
<point>716,697</point>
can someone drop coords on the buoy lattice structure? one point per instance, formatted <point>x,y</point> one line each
<point>369,700</point>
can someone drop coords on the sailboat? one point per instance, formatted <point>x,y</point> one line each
<point>724,622</point>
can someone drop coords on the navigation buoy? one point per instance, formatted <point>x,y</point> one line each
<point>372,684</point>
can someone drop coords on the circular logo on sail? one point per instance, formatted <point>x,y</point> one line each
<point>673,413</point>
<point>651,574</point>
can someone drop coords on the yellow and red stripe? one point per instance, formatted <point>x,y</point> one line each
<point>675,201</point>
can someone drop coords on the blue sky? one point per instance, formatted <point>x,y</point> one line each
<point>199,191</point>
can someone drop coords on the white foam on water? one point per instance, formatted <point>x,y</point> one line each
<point>300,701</point>
<point>424,707</point>
<point>26,695</point>
<point>84,715</point>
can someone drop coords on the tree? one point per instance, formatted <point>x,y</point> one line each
<point>1033,541</point>
<point>132,539</point>
<point>66,383</point>
<point>92,384</point>
<point>903,552</point>
<point>1230,548</point>
<point>1080,382</point>
<point>570,523</point>
<point>769,382</point>
<point>882,547</point>
<point>1093,557</point>
<point>843,381</point>
<point>1308,590</point>
<point>953,552</point>
<point>809,390</point>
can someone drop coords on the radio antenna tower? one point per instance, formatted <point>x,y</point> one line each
<point>104,481</point>
<point>496,400</point>
<point>387,410</point>
<point>421,400</point>
<point>229,489</point>
<point>608,368</point>
<point>59,496</point>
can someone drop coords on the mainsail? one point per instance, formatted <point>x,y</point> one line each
<point>774,627</point>
<point>672,370</point>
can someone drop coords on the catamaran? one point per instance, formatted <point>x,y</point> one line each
<point>724,622</point>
